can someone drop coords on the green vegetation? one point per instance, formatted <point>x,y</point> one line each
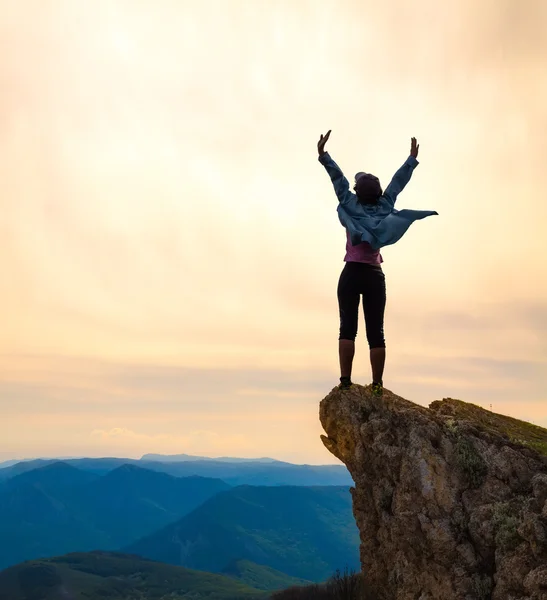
<point>470,461</point>
<point>506,524</point>
<point>467,457</point>
<point>260,576</point>
<point>514,430</point>
<point>112,576</point>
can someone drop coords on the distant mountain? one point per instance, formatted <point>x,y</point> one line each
<point>118,577</point>
<point>23,466</point>
<point>131,501</point>
<point>255,473</point>
<point>99,466</point>
<point>306,533</point>
<point>54,476</point>
<point>9,463</point>
<point>59,508</point>
<point>239,473</point>
<point>31,463</point>
<point>189,457</point>
<point>261,577</point>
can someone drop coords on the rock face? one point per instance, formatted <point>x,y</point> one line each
<point>450,500</point>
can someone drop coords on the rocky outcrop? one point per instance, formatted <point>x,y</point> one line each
<point>450,500</point>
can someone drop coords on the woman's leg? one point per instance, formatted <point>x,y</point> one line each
<point>374,304</point>
<point>346,352</point>
<point>377,363</point>
<point>348,306</point>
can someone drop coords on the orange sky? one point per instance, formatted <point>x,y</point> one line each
<point>170,244</point>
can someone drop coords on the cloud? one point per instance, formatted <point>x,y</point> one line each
<point>201,441</point>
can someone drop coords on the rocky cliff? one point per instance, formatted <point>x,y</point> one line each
<point>450,500</point>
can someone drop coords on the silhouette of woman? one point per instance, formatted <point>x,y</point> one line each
<point>371,222</point>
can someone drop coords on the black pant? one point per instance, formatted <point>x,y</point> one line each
<point>369,281</point>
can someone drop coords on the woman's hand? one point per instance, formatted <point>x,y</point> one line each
<point>321,143</point>
<point>414,147</point>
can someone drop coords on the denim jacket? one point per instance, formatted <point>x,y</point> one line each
<point>378,224</point>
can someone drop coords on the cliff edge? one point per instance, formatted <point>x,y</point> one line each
<point>450,500</point>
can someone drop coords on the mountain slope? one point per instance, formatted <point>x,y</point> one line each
<point>118,577</point>
<point>35,523</point>
<point>304,532</point>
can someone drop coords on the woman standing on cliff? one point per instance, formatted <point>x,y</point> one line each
<point>371,222</point>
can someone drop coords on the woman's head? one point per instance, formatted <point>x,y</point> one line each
<point>368,188</point>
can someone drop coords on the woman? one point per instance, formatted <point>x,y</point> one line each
<point>371,222</point>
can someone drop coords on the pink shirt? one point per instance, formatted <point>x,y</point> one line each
<point>362,253</point>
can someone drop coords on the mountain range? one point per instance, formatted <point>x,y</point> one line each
<point>167,518</point>
<point>189,457</point>
<point>150,457</point>
<point>243,472</point>
<point>59,508</point>
<point>198,522</point>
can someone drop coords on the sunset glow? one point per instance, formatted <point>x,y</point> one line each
<point>170,243</point>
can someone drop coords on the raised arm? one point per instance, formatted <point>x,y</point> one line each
<point>403,175</point>
<point>340,183</point>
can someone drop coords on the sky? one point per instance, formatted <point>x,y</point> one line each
<point>170,244</point>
